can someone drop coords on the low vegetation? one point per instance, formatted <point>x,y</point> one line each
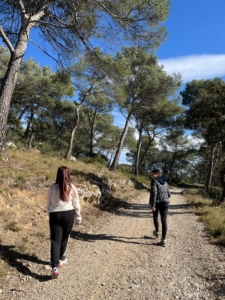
<point>205,204</point>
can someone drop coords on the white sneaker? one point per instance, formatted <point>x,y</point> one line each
<point>55,273</point>
<point>63,260</point>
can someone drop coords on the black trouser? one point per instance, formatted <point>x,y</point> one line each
<point>163,209</point>
<point>61,224</point>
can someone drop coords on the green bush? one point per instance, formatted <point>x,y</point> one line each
<point>47,176</point>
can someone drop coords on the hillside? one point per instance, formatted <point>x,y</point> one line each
<point>24,181</point>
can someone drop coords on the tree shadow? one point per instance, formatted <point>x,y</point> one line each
<point>189,186</point>
<point>173,207</point>
<point>86,237</point>
<point>178,206</point>
<point>127,209</point>
<point>176,193</point>
<point>12,257</point>
<point>217,283</point>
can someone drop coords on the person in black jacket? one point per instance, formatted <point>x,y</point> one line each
<point>159,201</point>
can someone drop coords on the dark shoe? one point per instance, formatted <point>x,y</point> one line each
<point>162,243</point>
<point>156,234</point>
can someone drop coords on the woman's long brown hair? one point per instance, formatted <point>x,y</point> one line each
<point>63,180</point>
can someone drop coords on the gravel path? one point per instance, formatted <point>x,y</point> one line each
<point>120,259</point>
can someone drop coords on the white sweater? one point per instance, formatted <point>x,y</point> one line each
<point>55,204</point>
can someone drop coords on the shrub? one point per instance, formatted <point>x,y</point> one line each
<point>13,226</point>
<point>214,217</point>
<point>47,176</point>
<point>21,177</point>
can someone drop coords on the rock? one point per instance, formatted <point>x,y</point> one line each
<point>72,158</point>
<point>90,194</point>
<point>11,145</point>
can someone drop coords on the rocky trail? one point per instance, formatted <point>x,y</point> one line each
<point>120,259</point>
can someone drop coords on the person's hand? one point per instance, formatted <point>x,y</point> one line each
<point>153,208</point>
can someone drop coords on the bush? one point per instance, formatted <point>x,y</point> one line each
<point>214,218</point>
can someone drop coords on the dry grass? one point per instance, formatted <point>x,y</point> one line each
<point>213,217</point>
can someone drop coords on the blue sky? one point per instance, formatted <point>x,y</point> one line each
<point>195,46</point>
<point>196,41</point>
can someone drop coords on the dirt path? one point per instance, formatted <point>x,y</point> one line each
<point>121,260</point>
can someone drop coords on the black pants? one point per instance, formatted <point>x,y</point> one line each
<point>61,224</point>
<point>163,209</point>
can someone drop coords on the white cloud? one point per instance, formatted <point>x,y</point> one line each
<point>205,66</point>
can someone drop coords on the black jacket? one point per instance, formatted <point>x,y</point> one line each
<point>159,191</point>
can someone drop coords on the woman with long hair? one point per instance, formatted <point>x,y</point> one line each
<point>62,204</point>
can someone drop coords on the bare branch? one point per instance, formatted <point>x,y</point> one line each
<point>20,3</point>
<point>43,50</point>
<point>39,14</point>
<point>49,24</point>
<point>6,40</point>
<point>109,12</point>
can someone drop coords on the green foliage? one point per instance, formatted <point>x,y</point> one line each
<point>212,194</point>
<point>207,97</point>
<point>48,176</point>
<point>21,177</point>
<point>148,89</point>
<point>99,159</point>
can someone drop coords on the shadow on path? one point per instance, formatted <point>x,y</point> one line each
<point>218,283</point>
<point>86,237</point>
<point>176,193</point>
<point>12,257</point>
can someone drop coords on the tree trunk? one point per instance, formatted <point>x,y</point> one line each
<point>9,83</point>
<point>171,167</point>
<point>22,113</point>
<point>28,125</point>
<point>58,133</point>
<point>200,173</point>
<point>193,177</point>
<point>31,140</point>
<point>121,143</point>
<point>210,170</point>
<point>70,146</point>
<point>92,134</point>
<point>222,180</point>
<point>150,140</point>
<point>136,167</point>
